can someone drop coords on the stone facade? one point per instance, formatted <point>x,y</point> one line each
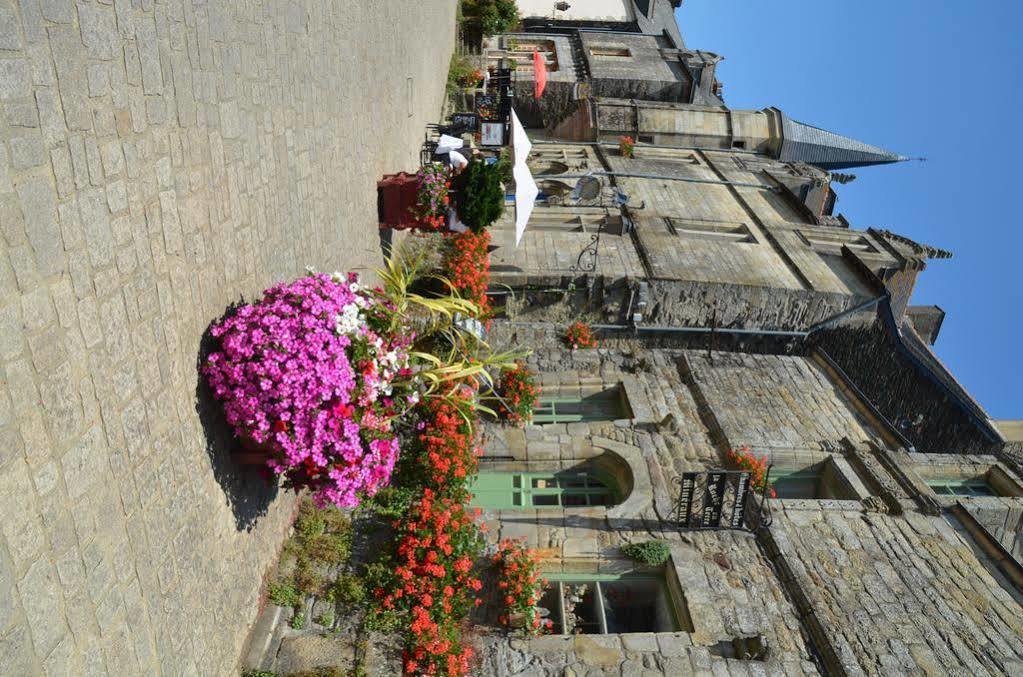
<point>863,582</point>
<point>736,310</point>
<point>160,161</point>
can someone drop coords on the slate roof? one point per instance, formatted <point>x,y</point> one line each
<point>829,151</point>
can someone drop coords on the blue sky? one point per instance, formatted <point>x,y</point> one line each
<point>943,80</point>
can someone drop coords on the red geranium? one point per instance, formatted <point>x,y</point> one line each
<point>744,459</point>
<point>580,335</point>
<point>519,393</point>
<point>466,265</point>
<point>519,580</point>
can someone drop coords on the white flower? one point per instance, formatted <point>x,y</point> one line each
<point>349,321</point>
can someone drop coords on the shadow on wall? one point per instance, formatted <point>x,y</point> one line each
<point>249,490</point>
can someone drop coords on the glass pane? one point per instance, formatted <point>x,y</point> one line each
<point>545,483</point>
<point>636,606</point>
<point>577,482</point>
<point>517,482</point>
<point>600,499</point>
<point>941,489</point>
<point>517,498</point>
<point>981,489</point>
<point>550,609</point>
<point>573,500</point>
<point>581,610</point>
<point>545,499</point>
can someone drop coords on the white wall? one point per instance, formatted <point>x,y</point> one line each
<point>607,10</point>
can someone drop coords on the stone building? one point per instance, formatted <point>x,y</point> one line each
<point>736,309</point>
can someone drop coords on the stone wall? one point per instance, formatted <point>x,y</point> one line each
<point>900,594</point>
<point>775,401</point>
<point>923,411</point>
<point>158,162</point>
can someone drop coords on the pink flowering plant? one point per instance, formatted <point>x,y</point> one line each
<point>432,198</point>
<point>315,373</point>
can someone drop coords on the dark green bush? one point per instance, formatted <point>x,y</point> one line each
<point>491,16</point>
<point>650,553</point>
<point>480,198</point>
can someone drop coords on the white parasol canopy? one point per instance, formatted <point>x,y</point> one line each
<point>525,187</point>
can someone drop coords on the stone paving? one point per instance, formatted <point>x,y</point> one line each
<point>160,160</point>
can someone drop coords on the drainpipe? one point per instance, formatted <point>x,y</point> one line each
<point>608,144</point>
<point>660,177</point>
<point>845,313</point>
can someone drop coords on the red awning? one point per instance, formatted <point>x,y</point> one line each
<point>539,74</point>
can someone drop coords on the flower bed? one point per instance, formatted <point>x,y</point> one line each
<point>744,459</point>
<point>434,586</point>
<point>519,393</point>
<point>447,455</point>
<point>466,265</point>
<point>580,335</point>
<point>314,375</point>
<point>520,582</point>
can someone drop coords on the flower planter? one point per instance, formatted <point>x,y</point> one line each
<point>252,452</point>
<point>396,196</point>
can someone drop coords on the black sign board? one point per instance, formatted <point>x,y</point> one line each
<point>705,498</point>
<point>685,497</point>
<point>739,507</point>
<point>470,122</point>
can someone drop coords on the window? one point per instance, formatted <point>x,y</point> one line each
<point>831,242</point>
<point>507,491</point>
<point>977,486</point>
<point>739,144</point>
<point>608,50</point>
<point>608,604</point>
<point>822,480</point>
<point>608,405</point>
<point>700,229</point>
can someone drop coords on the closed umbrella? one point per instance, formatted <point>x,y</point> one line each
<point>525,187</point>
<point>539,74</point>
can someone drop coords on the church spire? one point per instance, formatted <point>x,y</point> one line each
<point>827,150</point>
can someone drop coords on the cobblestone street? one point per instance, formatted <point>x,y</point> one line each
<point>159,161</point>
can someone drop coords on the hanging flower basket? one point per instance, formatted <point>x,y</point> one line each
<point>311,377</point>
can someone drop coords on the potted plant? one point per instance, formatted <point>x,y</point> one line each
<point>626,146</point>
<point>479,196</point>
<point>580,335</point>
<point>415,201</point>
<point>518,393</point>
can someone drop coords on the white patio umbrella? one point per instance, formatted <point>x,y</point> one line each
<point>525,187</point>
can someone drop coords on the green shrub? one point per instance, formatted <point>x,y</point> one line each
<point>459,70</point>
<point>297,621</point>
<point>326,619</point>
<point>349,590</point>
<point>491,16</point>
<point>650,553</point>
<point>480,198</point>
<point>284,594</point>
<point>393,502</point>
